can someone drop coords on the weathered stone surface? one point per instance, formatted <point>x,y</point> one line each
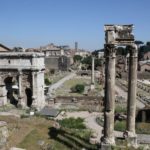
<point>3,134</point>
<point>131,104</point>
<point>109,95</point>
<point>25,72</point>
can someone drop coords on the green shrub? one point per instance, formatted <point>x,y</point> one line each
<point>79,88</point>
<point>73,123</point>
<point>120,125</point>
<point>47,81</point>
<point>120,109</point>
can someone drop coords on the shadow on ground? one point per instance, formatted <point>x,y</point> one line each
<point>70,140</point>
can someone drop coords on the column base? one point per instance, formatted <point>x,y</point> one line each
<point>92,87</point>
<point>108,140</point>
<point>21,103</point>
<point>107,143</point>
<point>131,138</point>
<point>105,146</point>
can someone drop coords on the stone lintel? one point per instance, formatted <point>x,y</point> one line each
<point>21,55</point>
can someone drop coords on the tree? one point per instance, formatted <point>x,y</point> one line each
<point>77,58</point>
<point>95,53</point>
<point>79,88</point>
<point>139,42</point>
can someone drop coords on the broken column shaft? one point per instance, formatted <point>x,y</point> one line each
<point>132,83</point>
<point>109,103</point>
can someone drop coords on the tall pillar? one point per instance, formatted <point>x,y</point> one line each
<point>125,64</point>
<point>20,100</point>
<point>110,54</point>
<point>132,83</point>
<point>34,97</point>
<point>92,76</point>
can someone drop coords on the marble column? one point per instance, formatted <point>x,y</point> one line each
<point>34,97</point>
<point>20,100</point>
<point>132,83</point>
<point>110,54</point>
<point>92,76</point>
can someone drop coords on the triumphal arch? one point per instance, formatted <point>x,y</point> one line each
<point>22,79</point>
<point>119,35</point>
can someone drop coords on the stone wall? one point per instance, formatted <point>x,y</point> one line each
<point>91,103</point>
<point>22,79</point>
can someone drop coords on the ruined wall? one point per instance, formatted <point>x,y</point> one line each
<point>22,76</point>
<point>91,103</point>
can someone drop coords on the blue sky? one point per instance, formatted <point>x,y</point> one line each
<point>33,23</point>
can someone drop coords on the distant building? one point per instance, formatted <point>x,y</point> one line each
<point>147,56</point>
<point>56,63</point>
<point>83,53</point>
<point>144,66</point>
<point>52,50</point>
<point>100,54</point>
<point>76,46</point>
<point>4,48</point>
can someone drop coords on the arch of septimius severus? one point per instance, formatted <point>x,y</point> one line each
<point>119,35</point>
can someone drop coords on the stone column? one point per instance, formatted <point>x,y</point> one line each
<point>125,64</point>
<point>92,74</point>
<point>132,83</point>
<point>20,100</point>
<point>34,97</point>
<point>110,54</point>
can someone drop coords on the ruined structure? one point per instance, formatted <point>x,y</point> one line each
<point>92,74</point>
<point>22,79</point>
<point>119,35</point>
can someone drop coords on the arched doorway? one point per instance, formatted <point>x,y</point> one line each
<point>29,96</point>
<point>12,94</point>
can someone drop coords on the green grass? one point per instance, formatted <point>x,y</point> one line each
<point>65,90</point>
<point>73,123</point>
<point>30,141</point>
<point>143,128</point>
<point>120,125</point>
<point>120,109</point>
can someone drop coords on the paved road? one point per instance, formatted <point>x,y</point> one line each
<point>59,83</point>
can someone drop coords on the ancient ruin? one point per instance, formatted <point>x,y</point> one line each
<point>22,79</point>
<point>92,74</point>
<point>119,35</point>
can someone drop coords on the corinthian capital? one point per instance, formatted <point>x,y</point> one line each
<point>110,50</point>
<point>133,49</point>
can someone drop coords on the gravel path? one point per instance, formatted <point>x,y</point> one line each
<point>59,83</point>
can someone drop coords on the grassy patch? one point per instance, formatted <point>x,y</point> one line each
<point>30,141</point>
<point>73,123</point>
<point>65,90</point>
<point>143,128</point>
<point>120,109</point>
<point>120,125</point>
